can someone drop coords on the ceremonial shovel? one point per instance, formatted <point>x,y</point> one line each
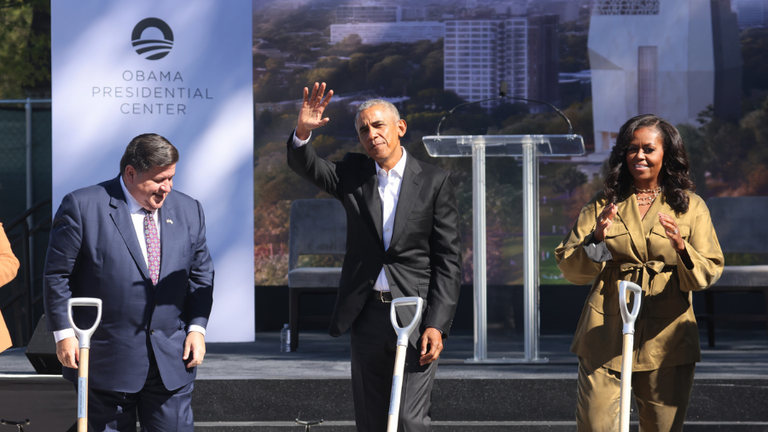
<point>626,352</point>
<point>402,346</point>
<point>84,336</point>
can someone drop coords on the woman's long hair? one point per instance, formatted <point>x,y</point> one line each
<point>674,177</point>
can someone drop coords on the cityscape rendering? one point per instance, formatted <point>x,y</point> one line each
<point>601,62</point>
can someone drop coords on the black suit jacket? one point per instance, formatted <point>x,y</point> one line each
<point>424,256</point>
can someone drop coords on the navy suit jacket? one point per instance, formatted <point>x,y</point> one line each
<point>94,252</point>
<point>424,255</point>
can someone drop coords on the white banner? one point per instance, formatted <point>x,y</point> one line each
<point>181,69</point>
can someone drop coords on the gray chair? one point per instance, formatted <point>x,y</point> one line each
<point>740,223</point>
<point>317,227</point>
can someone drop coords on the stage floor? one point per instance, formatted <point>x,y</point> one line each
<point>739,354</point>
<point>253,386</point>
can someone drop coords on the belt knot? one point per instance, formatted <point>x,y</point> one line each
<point>640,271</point>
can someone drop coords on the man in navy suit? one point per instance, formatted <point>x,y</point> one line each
<point>141,248</point>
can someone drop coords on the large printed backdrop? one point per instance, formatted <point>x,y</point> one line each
<point>181,69</point>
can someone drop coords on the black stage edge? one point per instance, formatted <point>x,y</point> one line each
<point>460,401</point>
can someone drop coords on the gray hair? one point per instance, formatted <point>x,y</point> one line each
<point>148,151</point>
<point>376,102</point>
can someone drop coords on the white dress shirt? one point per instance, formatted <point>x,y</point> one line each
<point>137,217</point>
<point>389,193</point>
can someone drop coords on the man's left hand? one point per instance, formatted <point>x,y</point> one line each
<point>431,345</point>
<point>194,349</point>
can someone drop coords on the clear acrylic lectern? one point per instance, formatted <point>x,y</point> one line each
<point>529,147</point>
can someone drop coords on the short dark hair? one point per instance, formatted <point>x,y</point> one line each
<point>148,151</point>
<point>674,178</point>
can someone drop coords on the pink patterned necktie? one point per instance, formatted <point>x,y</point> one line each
<point>153,246</point>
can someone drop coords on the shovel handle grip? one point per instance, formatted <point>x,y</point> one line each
<point>404,332</point>
<point>84,335</point>
<point>628,317</point>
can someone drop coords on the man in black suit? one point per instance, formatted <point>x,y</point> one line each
<point>402,240</point>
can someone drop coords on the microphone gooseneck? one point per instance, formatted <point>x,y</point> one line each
<point>570,126</point>
<point>459,106</point>
<point>503,94</point>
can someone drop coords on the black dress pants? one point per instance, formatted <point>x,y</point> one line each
<point>373,363</point>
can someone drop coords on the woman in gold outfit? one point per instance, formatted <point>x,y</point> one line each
<point>646,226</point>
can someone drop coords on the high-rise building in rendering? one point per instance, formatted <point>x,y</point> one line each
<point>543,61</point>
<point>479,54</point>
<point>673,58</point>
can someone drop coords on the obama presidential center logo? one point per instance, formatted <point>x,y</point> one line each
<point>155,87</point>
<point>152,48</point>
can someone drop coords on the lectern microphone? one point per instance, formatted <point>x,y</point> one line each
<point>501,95</point>
<point>503,89</point>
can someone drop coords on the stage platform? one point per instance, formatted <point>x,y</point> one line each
<point>253,386</point>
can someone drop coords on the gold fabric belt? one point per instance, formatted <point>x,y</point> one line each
<point>641,271</point>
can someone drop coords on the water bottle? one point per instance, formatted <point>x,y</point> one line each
<point>285,339</point>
